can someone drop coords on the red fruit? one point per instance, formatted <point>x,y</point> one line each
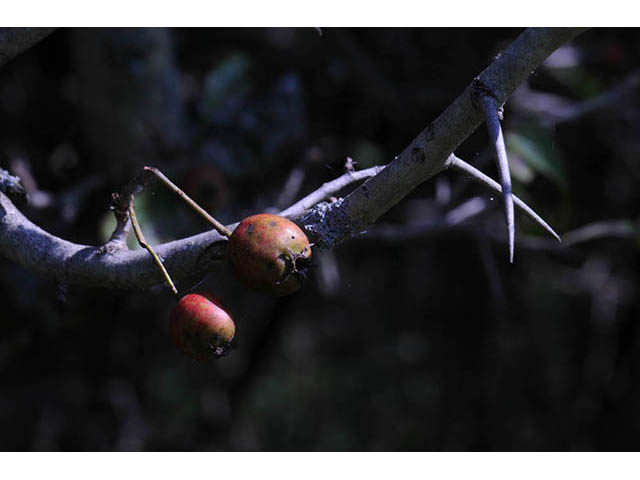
<point>269,254</point>
<point>200,327</point>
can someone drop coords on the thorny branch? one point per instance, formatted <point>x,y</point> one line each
<point>327,224</point>
<point>427,155</point>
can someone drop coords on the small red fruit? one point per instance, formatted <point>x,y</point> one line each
<point>200,327</point>
<point>269,254</point>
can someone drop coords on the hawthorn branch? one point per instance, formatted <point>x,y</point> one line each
<point>427,155</point>
<point>327,224</point>
<point>37,250</point>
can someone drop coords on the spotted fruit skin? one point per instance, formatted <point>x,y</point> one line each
<point>200,327</point>
<point>269,254</point>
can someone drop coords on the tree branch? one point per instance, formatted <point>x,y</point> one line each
<point>427,154</point>
<point>71,263</point>
<point>326,223</point>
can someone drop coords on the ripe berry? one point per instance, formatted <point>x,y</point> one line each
<point>200,327</point>
<point>269,254</point>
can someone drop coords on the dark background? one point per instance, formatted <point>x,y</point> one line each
<point>419,335</point>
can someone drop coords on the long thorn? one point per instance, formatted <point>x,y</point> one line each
<point>490,109</point>
<point>478,176</point>
<point>221,229</point>
<point>143,243</point>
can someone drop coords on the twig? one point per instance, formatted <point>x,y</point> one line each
<point>120,203</point>
<point>329,189</point>
<point>490,110</point>
<point>475,174</point>
<point>74,264</point>
<point>124,210</point>
<point>221,229</point>
<point>143,243</point>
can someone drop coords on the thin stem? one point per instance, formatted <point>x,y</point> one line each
<point>143,243</point>
<point>330,188</point>
<point>475,174</point>
<point>221,229</point>
<point>490,110</point>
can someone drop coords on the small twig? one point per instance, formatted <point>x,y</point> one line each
<point>120,203</point>
<point>124,211</point>
<point>477,175</point>
<point>221,229</point>
<point>490,110</point>
<point>329,189</point>
<point>143,243</point>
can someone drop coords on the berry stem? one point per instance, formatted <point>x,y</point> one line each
<point>143,243</point>
<point>221,229</point>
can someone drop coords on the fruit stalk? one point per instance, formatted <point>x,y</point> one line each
<point>221,229</point>
<point>143,243</point>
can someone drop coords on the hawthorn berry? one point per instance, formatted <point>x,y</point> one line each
<point>200,327</point>
<point>269,254</point>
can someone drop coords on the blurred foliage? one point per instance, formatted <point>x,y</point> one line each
<point>534,146</point>
<point>406,342</point>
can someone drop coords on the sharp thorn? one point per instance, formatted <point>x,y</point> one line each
<point>476,175</point>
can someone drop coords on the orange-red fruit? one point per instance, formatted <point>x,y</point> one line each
<point>269,254</point>
<point>200,327</point>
